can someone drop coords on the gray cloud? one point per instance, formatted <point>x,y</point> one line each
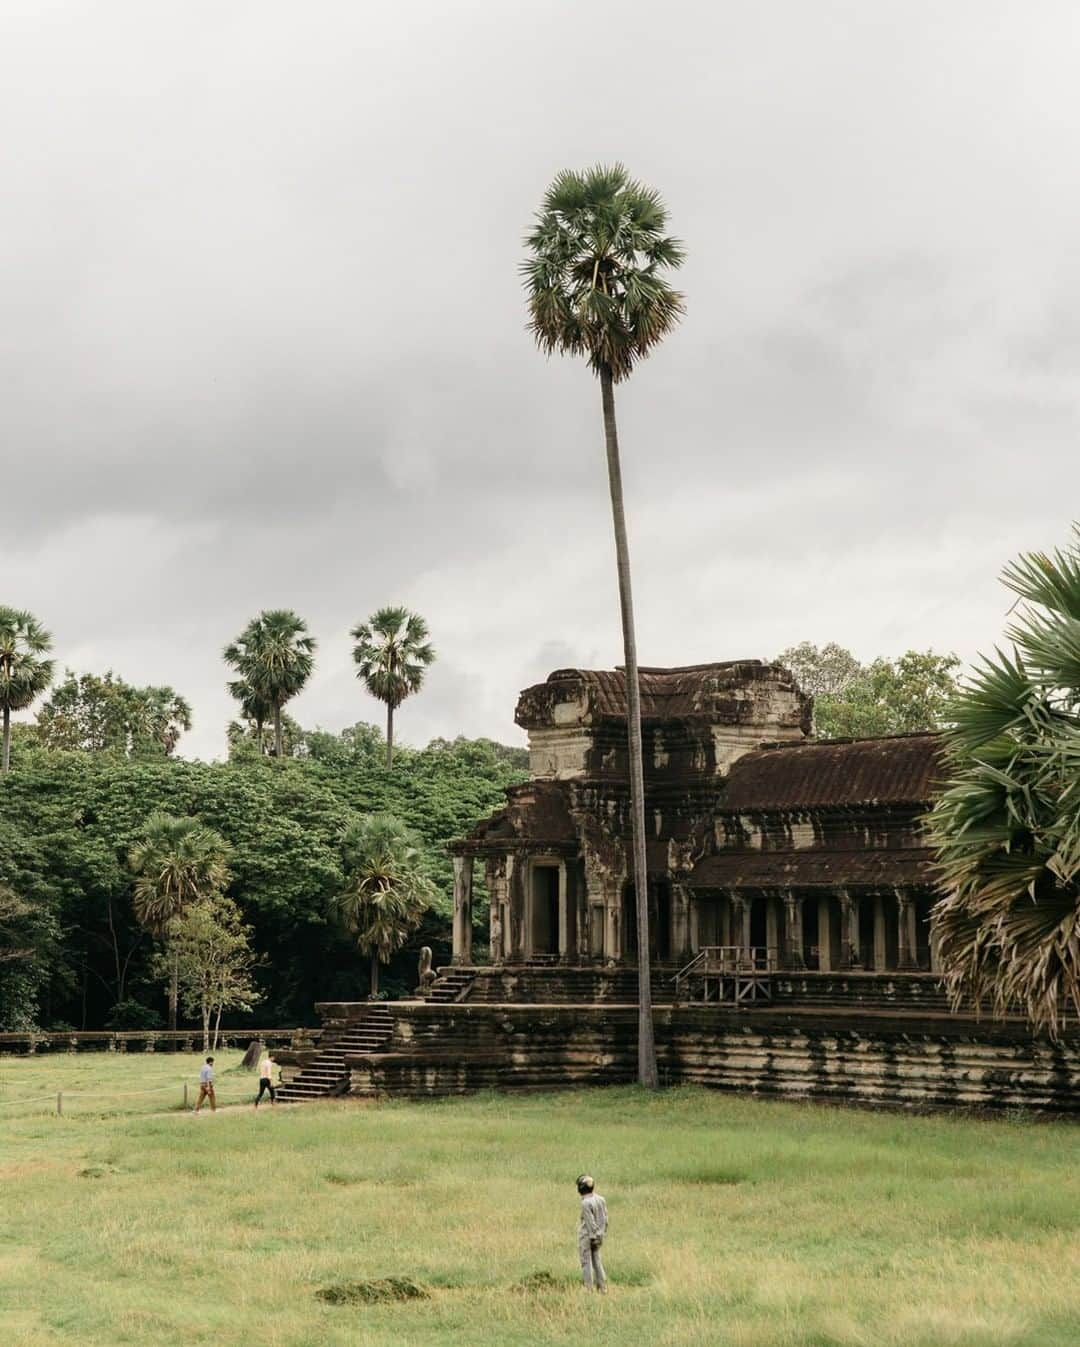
<point>264,340</point>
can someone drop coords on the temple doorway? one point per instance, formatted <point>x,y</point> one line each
<point>659,921</point>
<point>544,925</point>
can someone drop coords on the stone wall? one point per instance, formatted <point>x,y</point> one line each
<point>878,1058</point>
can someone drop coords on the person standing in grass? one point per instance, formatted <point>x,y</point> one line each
<point>206,1086</point>
<point>591,1232</point>
<point>266,1078</point>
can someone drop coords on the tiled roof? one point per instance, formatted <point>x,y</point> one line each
<point>877,868</point>
<point>901,769</point>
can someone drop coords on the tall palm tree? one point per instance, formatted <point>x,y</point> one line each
<point>274,657</point>
<point>595,284</point>
<point>386,889</point>
<point>1007,826</point>
<point>25,673</point>
<point>392,655</point>
<point>177,862</point>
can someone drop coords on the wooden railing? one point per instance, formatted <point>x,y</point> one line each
<point>733,973</point>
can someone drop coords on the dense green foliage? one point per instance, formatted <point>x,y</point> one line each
<point>108,715</point>
<point>68,821</point>
<point>854,701</point>
<point>1008,825</point>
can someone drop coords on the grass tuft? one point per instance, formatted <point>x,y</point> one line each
<point>381,1291</point>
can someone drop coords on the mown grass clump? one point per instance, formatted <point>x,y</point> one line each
<point>378,1292</point>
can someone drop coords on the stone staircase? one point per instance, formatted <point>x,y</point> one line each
<point>451,985</point>
<point>327,1073</point>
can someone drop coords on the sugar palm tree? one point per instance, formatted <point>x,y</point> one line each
<point>274,657</point>
<point>176,862</point>
<point>596,288</point>
<point>386,889</point>
<point>25,673</point>
<point>392,655</point>
<point>1007,825</point>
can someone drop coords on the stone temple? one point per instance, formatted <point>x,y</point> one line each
<point>790,895</point>
<point>807,853</point>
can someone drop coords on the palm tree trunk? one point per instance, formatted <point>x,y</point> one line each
<point>389,734</point>
<point>174,990</point>
<point>374,973</point>
<point>6,764</point>
<point>279,743</point>
<point>647,1073</point>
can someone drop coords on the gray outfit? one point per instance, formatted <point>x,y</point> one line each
<point>591,1234</point>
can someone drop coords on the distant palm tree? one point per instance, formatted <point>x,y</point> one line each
<point>1007,825</point>
<point>392,655</point>
<point>24,672</point>
<point>595,289</point>
<point>176,862</point>
<point>386,889</point>
<point>255,710</point>
<point>274,657</point>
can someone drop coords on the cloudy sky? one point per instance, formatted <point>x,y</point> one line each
<point>263,337</point>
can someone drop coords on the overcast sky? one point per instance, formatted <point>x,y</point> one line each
<point>263,339</point>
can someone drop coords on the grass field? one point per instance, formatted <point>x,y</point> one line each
<point>732,1221</point>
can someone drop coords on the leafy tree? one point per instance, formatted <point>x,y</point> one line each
<point>596,289</point>
<point>108,715</point>
<point>359,745</point>
<point>855,701</point>
<point>25,673</point>
<point>209,950</point>
<point>386,889</point>
<point>177,862</point>
<point>28,938</point>
<point>274,657</point>
<point>1007,825</point>
<point>392,654</point>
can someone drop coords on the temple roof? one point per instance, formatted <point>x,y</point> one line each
<point>726,689</point>
<point>535,813</point>
<point>900,769</point>
<point>811,868</point>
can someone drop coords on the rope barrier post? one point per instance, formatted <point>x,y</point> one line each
<point>59,1103</point>
<point>185,1094</point>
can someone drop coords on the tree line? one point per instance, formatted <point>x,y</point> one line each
<point>273,658</point>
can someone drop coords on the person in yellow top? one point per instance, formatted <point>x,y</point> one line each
<point>266,1078</point>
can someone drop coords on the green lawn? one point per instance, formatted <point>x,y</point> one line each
<point>733,1221</point>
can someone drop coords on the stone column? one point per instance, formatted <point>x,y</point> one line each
<point>695,931</point>
<point>793,925</point>
<point>826,953</point>
<point>849,917</point>
<point>772,929</point>
<point>613,935</point>
<point>514,911</point>
<point>740,921</point>
<point>463,875</point>
<point>905,932</point>
<point>881,946</point>
<point>564,915</point>
<point>680,923</point>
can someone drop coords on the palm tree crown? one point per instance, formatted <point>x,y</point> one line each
<point>25,673</point>
<point>594,280</point>
<point>386,889</point>
<point>274,657</point>
<point>177,861</point>
<point>1007,826</point>
<point>392,655</point>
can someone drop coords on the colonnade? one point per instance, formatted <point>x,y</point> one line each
<point>542,907</point>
